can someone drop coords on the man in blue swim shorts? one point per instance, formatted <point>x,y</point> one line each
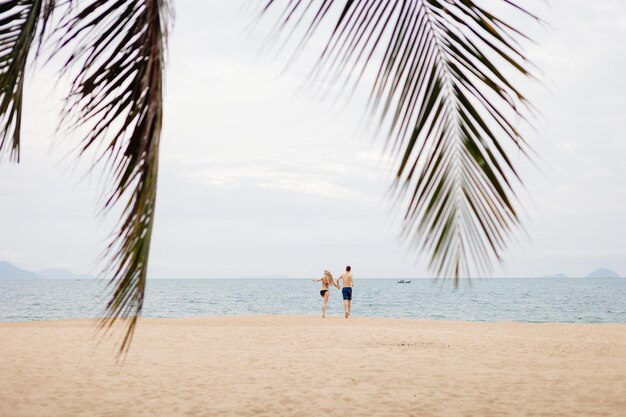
<point>346,291</point>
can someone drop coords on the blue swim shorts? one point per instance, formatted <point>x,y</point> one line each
<point>347,293</point>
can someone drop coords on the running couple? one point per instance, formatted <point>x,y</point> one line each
<point>346,291</point>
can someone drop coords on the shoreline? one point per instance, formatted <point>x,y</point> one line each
<point>144,319</point>
<point>292,365</point>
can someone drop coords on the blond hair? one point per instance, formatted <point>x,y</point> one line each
<point>329,277</point>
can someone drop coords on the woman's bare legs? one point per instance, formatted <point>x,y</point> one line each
<point>324,304</point>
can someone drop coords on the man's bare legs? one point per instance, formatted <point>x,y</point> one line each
<point>346,308</point>
<point>324,304</point>
<point>349,305</point>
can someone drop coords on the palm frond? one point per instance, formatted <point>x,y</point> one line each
<point>442,90</point>
<point>18,28</point>
<point>116,97</point>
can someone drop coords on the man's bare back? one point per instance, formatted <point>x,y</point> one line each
<point>347,279</point>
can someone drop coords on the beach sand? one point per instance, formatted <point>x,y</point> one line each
<point>306,366</point>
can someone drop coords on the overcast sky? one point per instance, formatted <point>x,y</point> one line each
<point>259,178</point>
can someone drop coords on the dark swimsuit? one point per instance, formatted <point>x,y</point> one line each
<point>347,293</point>
<point>324,291</point>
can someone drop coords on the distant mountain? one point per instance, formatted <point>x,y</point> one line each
<point>8,271</point>
<point>57,273</point>
<point>603,273</point>
<point>559,275</point>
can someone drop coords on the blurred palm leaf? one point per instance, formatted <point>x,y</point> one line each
<point>116,97</point>
<point>19,20</point>
<point>448,106</point>
<point>116,62</point>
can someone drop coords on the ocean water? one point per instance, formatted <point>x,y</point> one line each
<point>523,300</point>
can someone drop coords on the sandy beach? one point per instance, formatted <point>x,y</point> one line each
<point>306,366</point>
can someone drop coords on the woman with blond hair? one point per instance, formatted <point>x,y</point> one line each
<point>327,281</point>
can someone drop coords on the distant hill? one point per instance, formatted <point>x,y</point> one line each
<point>603,273</point>
<point>9,271</point>
<point>559,275</point>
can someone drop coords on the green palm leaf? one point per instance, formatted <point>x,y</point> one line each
<point>19,20</point>
<point>116,60</point>
<point>448,107</point>
<point>116,97</point>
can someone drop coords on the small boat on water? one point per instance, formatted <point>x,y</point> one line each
<point>404,282</point>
